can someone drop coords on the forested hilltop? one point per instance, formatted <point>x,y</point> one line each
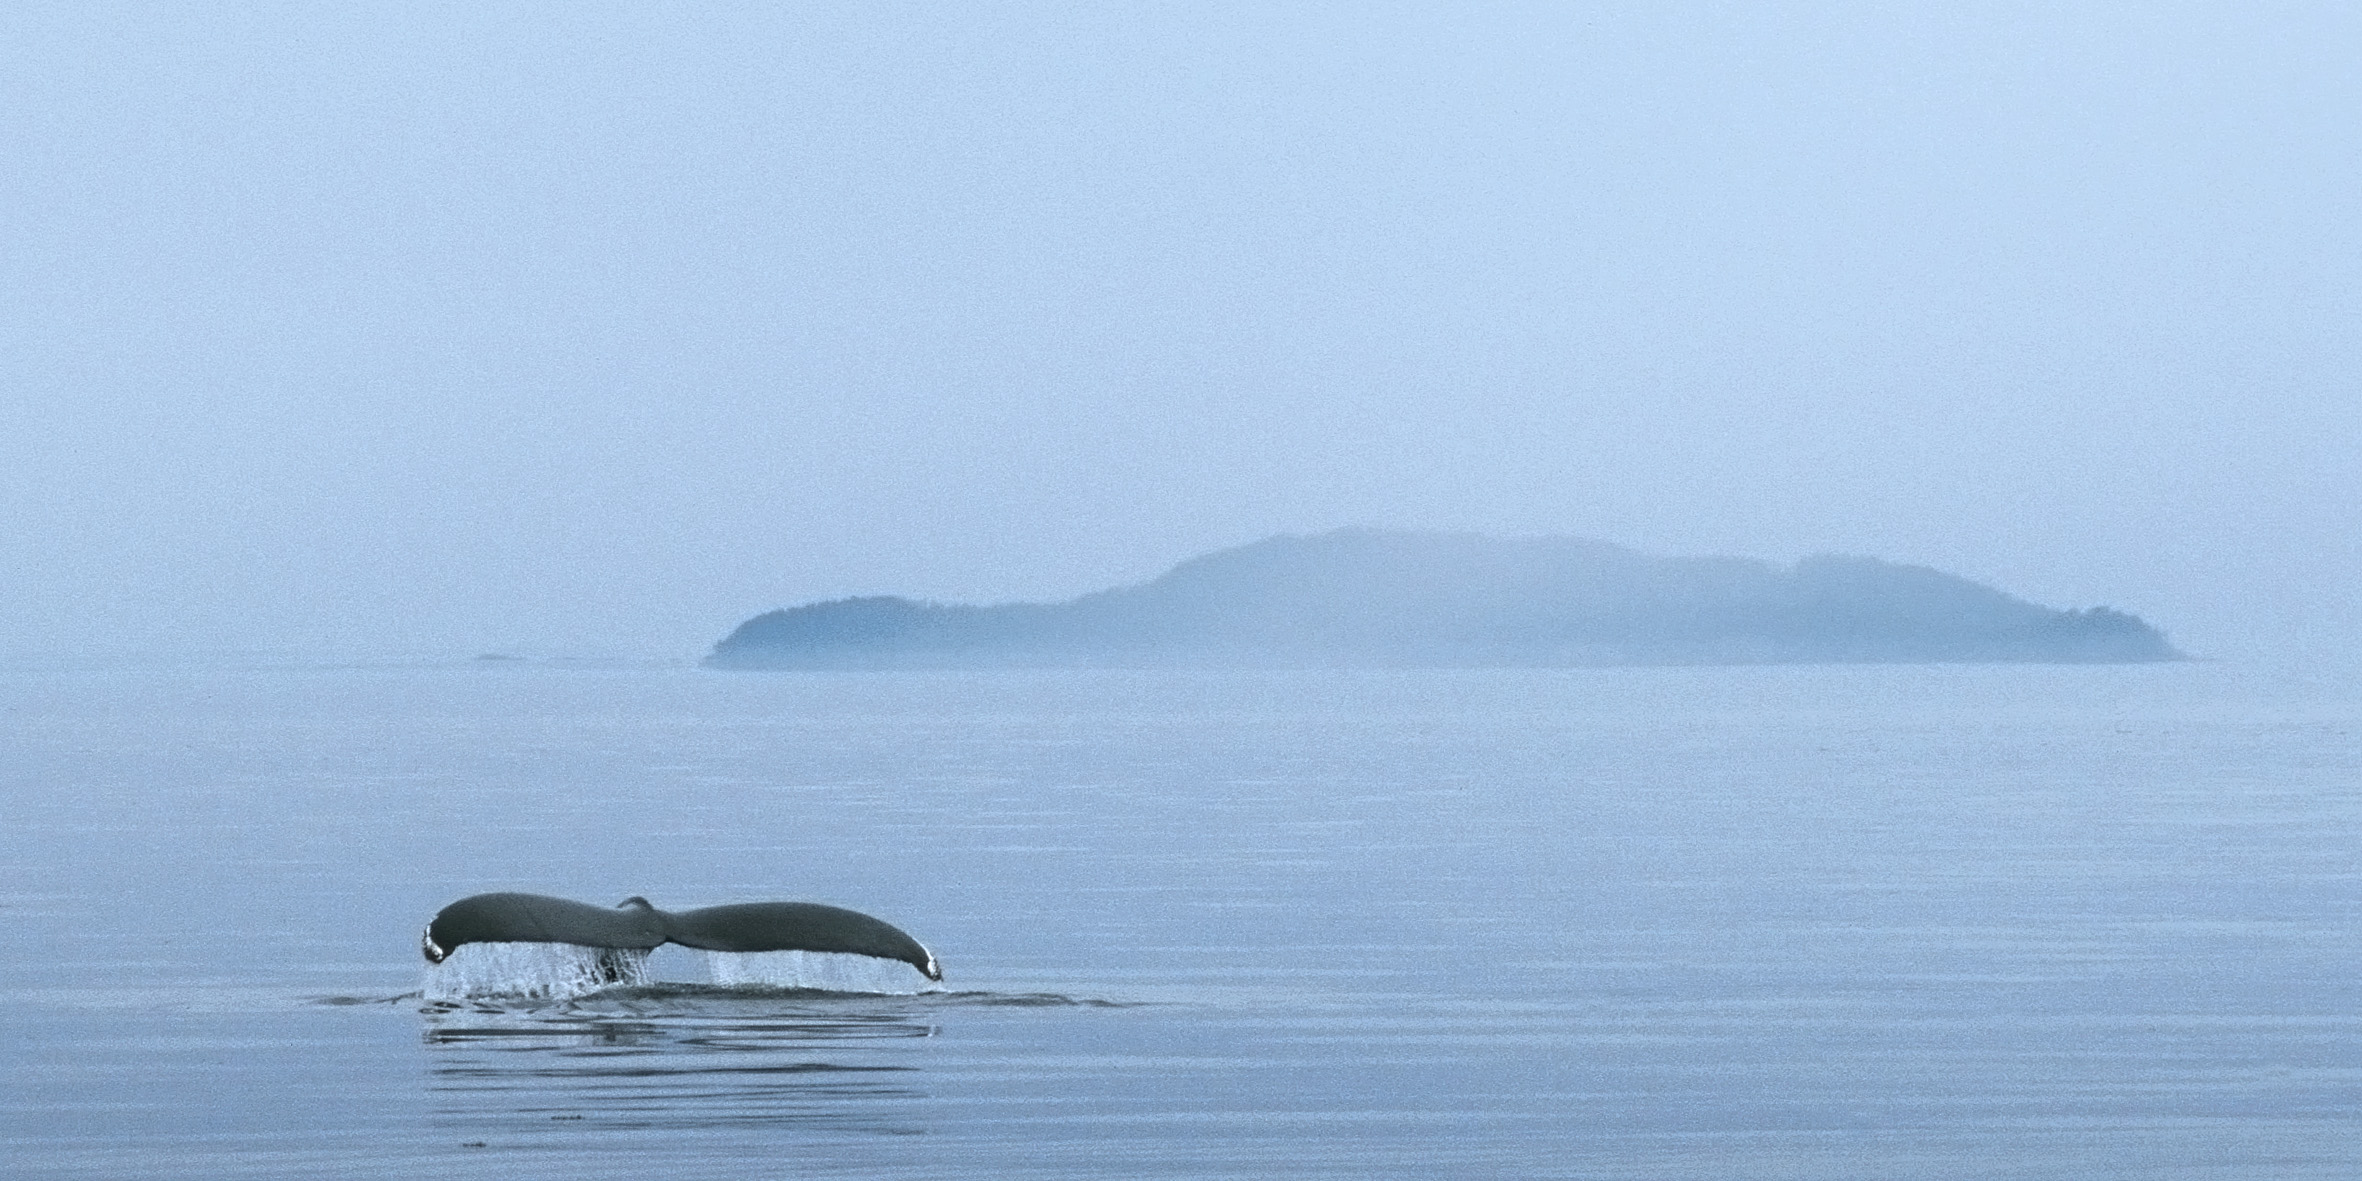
<point>1376,598</point>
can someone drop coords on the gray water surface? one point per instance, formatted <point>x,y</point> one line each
<point>1673,923</point>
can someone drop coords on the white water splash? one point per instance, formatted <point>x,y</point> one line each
<point>821,970</point>
<point>554,970</point>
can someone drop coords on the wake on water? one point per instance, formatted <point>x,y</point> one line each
<point>556,971</point>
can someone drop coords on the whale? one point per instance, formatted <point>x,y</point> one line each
<point>636,925</point>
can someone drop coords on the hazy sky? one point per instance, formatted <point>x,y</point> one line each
<point>574,329</point>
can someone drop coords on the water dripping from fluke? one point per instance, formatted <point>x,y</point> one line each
<point>532,971</point>
<point>497,971</point>
<point>808,971</point>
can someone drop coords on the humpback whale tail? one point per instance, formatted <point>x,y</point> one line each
<point>796,926</point>
<point>634,925</point>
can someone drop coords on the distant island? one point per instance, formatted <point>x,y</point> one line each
<point>1360,597</point>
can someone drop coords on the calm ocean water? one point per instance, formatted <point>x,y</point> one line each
<point>1684,923</point>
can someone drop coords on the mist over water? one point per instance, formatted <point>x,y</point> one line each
<point>574,336</point>
<point>434,330</point>
<point>1638,923</point>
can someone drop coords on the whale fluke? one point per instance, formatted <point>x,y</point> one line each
<point>797,926</point>
<point>539,918</point>
<point>635,925</point>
